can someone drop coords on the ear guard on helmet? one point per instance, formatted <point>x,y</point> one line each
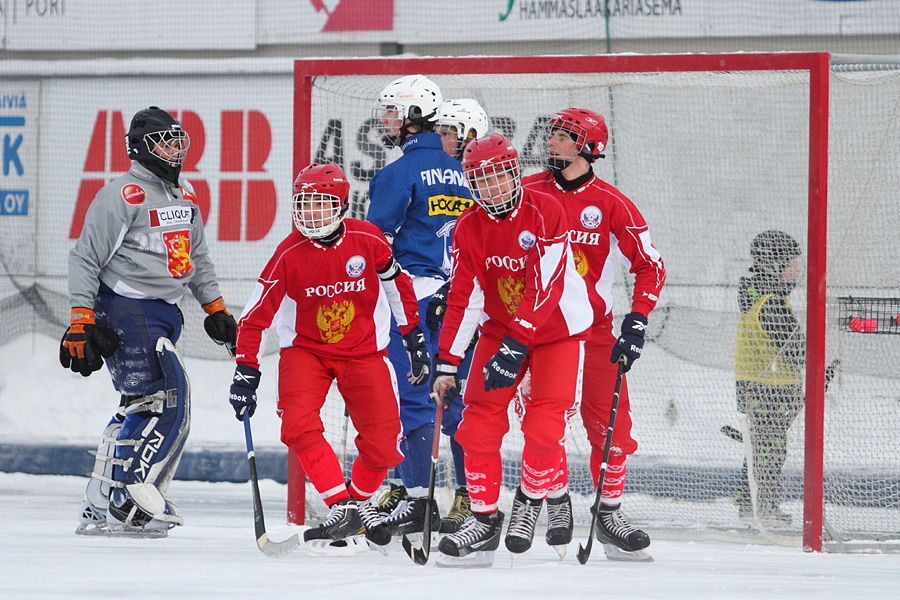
<point>585,128</point>
<point>414,98</point>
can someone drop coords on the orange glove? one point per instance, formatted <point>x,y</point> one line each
<point>84,345</point>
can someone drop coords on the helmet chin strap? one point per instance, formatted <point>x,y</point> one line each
<point>165,172</point>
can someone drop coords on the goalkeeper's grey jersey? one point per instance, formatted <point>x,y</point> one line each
<point>144,239</point>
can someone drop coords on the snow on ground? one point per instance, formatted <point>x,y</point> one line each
<point>214,555</point>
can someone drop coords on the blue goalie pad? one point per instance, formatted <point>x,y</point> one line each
<point>150,445</point>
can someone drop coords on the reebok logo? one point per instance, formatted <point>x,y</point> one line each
<point>243,378</point>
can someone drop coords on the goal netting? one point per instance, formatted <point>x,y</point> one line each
<point>713,150</point>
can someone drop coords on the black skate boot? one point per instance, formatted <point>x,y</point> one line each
<point>621,540</point>
<point>459,512</point>
<point>559,520</point>
<point>376,530</point>
<point>409,516</point>
<point>522,519</point>
<point>387,502</point>
<point>475,542</point>
<point>343,521</point>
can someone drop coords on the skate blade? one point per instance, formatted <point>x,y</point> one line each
<point>561,549</point>
<point>382,550</point>
<point>482,559</point>
<point>349,546</point>
<point>615,553</point>
<point>104,530</point>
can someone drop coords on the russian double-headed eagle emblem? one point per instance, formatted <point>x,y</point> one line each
<point>512,292</point>
<point>334,321</point>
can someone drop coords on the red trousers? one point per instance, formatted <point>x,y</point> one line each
<point>556,371</point>
<point>599,386</point>
<point>368,386</point>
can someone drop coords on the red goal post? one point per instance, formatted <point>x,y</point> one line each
<point>311,142</point>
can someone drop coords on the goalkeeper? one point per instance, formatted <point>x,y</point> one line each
<point>770,351</point>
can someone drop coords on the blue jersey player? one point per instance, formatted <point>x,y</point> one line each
<point>415,201</point>
<point>458,123</point>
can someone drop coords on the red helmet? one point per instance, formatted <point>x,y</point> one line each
<point>586,128</point>
<point>321,197</point>
<point>491,167</point>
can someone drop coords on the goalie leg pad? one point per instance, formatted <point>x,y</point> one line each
<point>150,444</point>
<point>96,494</point>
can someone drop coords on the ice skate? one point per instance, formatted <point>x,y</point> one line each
<point>621,540</point>
<point>137,524</point>
<point>559,523</point>
<point>387,500</point>
<point>376,531</point>
<point>92,520</point>
<point>522,520</point>
<point>769,516</point>
<point>474,544</point>
<point>459,512</point>
<point>409,516</point>
<point>340,534</point>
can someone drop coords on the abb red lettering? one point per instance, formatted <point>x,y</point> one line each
<point>191,122</point>
<point>95,162</point>
<point>249,207</point>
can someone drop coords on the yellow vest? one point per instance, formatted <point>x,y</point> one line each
<point>757,357</point>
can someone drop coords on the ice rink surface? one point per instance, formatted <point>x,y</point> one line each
<point>214,555</point>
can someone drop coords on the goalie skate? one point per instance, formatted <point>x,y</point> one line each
<point>152,530</point>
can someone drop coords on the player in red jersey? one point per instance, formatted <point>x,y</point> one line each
<point>514,280</point>
<point>334,284</point>
<point>602,220</point>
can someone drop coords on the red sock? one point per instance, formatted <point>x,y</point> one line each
<point>538,471</point>
<point>324,472</point>
<point>363,481</point>
<point>614,480</point>
<point>559,484</point>
<point>483,475</point>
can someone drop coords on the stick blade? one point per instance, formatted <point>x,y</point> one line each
<point>276,549</point>
<point>584,553</point>
<point>418,555</point>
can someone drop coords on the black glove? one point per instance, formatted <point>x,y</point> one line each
<point>631,340</point>
<point>84,345</point>
<point>501,371</point>
<point>221,327</point>
<point>444,383</point>
<point>419,360</point>
<point>437,306</point>
<point>243,391</point>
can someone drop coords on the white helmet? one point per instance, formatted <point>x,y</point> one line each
<point>414,97</point>
<point>466,119</point>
